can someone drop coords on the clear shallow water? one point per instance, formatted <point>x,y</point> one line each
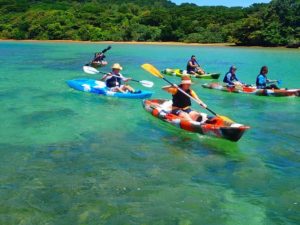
<point>69,157</point>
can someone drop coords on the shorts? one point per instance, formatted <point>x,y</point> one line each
<point>178,111</point>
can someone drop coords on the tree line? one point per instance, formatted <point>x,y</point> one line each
<point>274,24</point>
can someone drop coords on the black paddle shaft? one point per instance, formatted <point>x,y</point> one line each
<point>131,79</point>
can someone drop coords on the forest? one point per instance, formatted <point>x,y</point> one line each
<point>274,24</point>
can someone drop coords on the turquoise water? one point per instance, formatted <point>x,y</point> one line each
<point>69,157</point>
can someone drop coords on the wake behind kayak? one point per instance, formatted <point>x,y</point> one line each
<point>99,87</point>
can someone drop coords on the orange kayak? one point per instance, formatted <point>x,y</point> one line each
<point>215,127</point>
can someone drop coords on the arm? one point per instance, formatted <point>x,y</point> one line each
<point>106,76</point>
<point>193,66</point>
<point>125,79</point>
<point>195,96</point>
<point>170,89</point>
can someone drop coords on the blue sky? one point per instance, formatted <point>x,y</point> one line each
<point>222,2</point>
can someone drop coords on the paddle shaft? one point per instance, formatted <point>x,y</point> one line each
<point>117,76</point>
<point>191,97</point>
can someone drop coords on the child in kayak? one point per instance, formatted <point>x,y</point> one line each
<point>262,81</point>
<point>114,80</point>
<point>231,79</point>
<point>182,104</point>
<point>193,67</point>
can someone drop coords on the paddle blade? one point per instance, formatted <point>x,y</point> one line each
<point>151,69</point>
<point>147,83</point>
<point>90,70</point>
<point>279,82</point>
<point>226,119</point>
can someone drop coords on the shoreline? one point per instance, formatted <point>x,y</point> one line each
<point>123,42</point>
<point>167,43</point>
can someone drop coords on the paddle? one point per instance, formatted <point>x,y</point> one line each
<point>152,70</point>
<point>106,49</point>
<point>92,70</point>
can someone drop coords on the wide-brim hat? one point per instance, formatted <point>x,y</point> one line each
<point>186,80</point>
<point>117,66</point>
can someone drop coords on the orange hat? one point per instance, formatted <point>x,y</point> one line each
<point>186,80</point>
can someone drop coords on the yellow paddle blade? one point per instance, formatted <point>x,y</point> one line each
<point>151,69</point>
<point>226,119</point>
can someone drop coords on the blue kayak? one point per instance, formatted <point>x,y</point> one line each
<point>99,87</point>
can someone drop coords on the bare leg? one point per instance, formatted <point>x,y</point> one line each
<point>200,71</point>
<point>127,88</point>
<point>184,115</point>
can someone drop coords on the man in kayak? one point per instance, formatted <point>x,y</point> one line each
<point>231,79</point>
<point>114,80</point>
<point>182,104</point>
<point>262,81</point>
<point>193,67</point>
<point>99,59</point>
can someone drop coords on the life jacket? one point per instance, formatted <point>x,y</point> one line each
<point>232,78</point>
<point>114,81</point>
<point>188,66</point>
<point>258,85</point>
<point>180,100</point>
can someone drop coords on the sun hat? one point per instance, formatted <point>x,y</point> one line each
<point>117,66</point>
<point>186,80</point>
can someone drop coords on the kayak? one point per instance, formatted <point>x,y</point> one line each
<point>180,73</point>
<point>254,90</point>
<point>99,87</point>
<point>215,126</point>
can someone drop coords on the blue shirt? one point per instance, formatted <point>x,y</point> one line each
<point>230,78</point>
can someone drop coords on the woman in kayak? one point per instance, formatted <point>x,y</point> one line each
<point>262,81</point>
<point>193,67</point>
<point>182,104</point>
<point>114,80</point>
<point>230,78</point>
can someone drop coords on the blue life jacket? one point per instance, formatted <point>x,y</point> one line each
<point>259,84</point>
<point>230,79</point>
<point>114,81</point>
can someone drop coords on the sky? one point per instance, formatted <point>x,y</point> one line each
<point>243,3</point>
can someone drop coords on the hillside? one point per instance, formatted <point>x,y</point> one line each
<point>273,24</point>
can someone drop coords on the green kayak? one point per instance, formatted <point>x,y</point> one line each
<point>180,73</point>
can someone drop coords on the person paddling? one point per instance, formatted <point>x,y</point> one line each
<point>262,81</point>
<point>230,78</point>
<point>114,80</point>
<point>193,67</point>
<point>182,104</point>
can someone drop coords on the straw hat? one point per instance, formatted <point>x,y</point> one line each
<point>186,80</point>
<point>117,66</point>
